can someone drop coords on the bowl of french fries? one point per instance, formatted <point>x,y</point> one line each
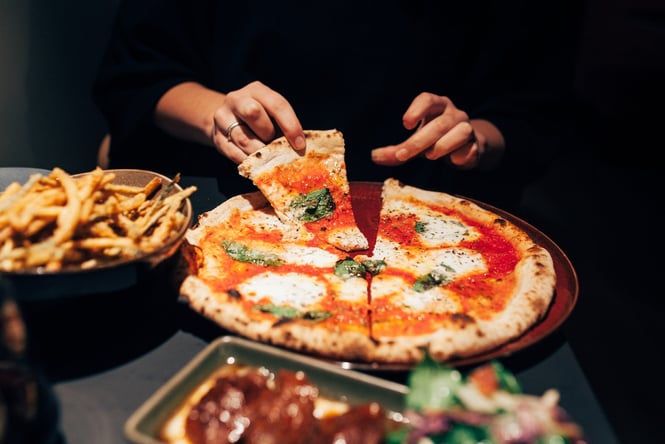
<point>70,234</point>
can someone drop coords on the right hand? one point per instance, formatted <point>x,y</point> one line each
<point>263,113</point>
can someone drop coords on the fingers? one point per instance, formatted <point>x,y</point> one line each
<point>467,157</point>
<point>441,130</point>
<point>261,115</point>
<point>281,111</point>
<point>457,142</point>
<point>458,137</point>
<point>239,143</point>
<point>425,107</point>
<point>261,108</point>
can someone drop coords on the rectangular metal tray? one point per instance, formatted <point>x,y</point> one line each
<point>334,382</point>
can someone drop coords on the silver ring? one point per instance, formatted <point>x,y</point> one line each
<point>229,128</point>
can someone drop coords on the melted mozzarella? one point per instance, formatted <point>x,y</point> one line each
<point>439,229</point>
<point>263,221</point>
<point>353,289</point>
<point>443,230</point>
<point>435,300</point>
<point>294,254</point>
<point>455,261</point>
<point>293,289</point>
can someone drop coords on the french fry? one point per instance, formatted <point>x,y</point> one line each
<point>59,220</point>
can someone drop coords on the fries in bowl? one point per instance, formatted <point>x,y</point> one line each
<point>60,221</point>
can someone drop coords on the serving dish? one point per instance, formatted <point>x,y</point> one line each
<point>37,284</point>
<point>142,427</point>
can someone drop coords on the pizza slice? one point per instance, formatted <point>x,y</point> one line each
<point>246,275</point>
<point>455,278</point>
<point>309,191</point>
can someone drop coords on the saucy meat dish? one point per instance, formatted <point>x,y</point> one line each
<point>253,405</point>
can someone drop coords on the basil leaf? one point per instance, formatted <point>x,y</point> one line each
<point>289,313</point>
<point>314,205</point>
<point>279,311</point>
<point>242,253</point>
<point>435,278</point>
<point>316,315</point>
<point>374,266</point>
<point>348,268</point>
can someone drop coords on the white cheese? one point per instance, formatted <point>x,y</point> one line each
<point>438,229</point>
<point>294,254</point>
<point>293,289</point>
<point>436,300</point>
<point>453,262</point>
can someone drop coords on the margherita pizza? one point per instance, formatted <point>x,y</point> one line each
<point>439,272</point>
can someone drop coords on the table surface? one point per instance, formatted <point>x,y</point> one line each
<point>126,369</point>
<point>94,408</point>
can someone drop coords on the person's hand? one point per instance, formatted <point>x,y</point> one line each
<point>252,116</point>
<point>442,130</point>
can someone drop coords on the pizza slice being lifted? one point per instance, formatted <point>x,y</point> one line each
<point>309,191</point>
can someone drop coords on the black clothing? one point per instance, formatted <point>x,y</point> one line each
<point>355,66</point>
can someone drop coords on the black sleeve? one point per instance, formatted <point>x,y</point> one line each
<point>531,54</point>
<point>154,45</point>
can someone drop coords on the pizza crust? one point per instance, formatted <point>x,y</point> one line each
<point>308,338</point>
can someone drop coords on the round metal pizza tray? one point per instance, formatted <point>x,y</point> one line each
<point>366,203</point>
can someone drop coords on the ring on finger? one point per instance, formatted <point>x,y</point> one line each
<point>230,128</point>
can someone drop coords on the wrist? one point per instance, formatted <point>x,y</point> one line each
<point>491,144</point>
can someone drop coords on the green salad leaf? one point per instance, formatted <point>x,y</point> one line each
<point>432,386</point>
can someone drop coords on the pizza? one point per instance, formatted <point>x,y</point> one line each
<point>458,279</point>
<point>309,191</point>
<point>438,274</point>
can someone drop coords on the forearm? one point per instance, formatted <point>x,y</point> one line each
<point>186,112</point>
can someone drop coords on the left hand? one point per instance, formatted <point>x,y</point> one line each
<point>442,130</point>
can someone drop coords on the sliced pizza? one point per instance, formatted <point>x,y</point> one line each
<point>445,275</point>
<point>456,278</point>
<point>250,278</point>
<point>309,191</point>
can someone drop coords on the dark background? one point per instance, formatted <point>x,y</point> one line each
<point>598,201</point>
<point>49,52</point>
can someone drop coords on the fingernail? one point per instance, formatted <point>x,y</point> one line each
<point>300,143</point>
<point>402,154</point>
